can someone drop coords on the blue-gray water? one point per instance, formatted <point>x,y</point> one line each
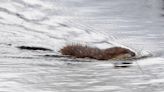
<point>137,24</point>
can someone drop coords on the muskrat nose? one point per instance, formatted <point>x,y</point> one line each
<point>133,54</point>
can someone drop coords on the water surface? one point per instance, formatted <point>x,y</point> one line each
<point>54,23</point>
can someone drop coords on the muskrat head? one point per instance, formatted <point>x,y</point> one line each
<point>119,53</point>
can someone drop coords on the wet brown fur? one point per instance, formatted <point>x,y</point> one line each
<point>80,51</point>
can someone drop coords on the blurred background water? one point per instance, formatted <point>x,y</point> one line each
<point>137,24</point>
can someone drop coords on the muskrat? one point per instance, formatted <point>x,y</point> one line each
<point>80,51</point>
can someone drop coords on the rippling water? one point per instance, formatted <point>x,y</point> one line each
<point>136,24</point>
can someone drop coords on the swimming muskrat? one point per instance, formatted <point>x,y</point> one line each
<point>79,51</point>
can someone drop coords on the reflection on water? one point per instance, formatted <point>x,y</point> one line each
<point>137,24</point>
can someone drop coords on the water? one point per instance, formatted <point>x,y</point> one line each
<point>136,24</point>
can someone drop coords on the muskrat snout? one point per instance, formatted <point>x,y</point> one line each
<point>133,54</point>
